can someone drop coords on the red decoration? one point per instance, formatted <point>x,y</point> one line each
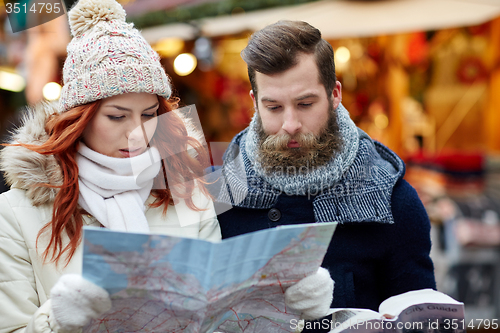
<point>418,48</point>
<point>472,70</point>
<point>481,29</point>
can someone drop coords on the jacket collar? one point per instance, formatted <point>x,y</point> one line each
<point>26,169</point>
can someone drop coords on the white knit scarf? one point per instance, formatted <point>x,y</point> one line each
<point>114,190</point>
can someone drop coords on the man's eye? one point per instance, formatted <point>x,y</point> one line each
<point>116,117</point>
<point>306,105</point>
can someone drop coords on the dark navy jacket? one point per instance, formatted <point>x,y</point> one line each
<point>382,243</point>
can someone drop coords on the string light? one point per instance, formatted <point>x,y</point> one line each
<point>51,91</point>
<point>11,81</point>
<point>184,64</point>
<point>342,54</point>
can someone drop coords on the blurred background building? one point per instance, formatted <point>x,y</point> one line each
<point>421,76</point>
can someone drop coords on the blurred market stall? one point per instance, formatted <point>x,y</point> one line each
<point>421,76</point>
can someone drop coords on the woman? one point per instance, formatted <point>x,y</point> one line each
<point>110,154</point>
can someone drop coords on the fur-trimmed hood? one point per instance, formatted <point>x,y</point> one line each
<point>26,169</point>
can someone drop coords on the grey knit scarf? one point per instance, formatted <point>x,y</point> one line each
<point>317,178</point>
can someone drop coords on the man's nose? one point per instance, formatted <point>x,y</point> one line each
<point>291,122</point>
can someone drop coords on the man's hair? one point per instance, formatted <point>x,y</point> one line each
<point>275,48</point>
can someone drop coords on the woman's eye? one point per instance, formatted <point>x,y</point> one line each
<point>273,108</point>
<point>149,115</point>
<point>116,117</point>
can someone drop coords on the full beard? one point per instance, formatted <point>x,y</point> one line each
<point>275,156</point>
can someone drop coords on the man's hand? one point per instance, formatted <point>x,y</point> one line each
<point>312,295</point>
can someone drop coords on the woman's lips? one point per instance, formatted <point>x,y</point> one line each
<point>131,152</point>
<point>293,144</point>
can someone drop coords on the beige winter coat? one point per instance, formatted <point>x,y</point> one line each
<point>25,281</point>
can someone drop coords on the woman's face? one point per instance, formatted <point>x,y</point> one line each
<point>123,125</point>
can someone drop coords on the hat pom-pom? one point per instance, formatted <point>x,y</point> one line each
<point>87,13</point>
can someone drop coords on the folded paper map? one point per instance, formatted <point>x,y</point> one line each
<point>161,283</point>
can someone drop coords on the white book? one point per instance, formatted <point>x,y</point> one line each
<point>419,311</point>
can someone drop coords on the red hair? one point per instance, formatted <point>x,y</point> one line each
<point>65,131</point>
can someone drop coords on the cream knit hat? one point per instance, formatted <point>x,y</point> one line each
<point>107,57</point>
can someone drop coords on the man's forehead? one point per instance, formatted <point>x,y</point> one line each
<point>299,82</point>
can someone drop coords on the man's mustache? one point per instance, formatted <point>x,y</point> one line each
<point>281,141</point>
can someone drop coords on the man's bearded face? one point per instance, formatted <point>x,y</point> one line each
<point>313,151</point>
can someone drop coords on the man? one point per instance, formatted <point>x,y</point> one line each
<point>303,160</point>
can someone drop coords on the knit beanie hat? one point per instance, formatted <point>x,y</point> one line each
<point>107,56</point>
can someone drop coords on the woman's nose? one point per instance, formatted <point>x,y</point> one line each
<point>135,132</point>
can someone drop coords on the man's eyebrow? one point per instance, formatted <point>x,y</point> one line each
<point>267,99</point>
<point>300,98</point>
<point>121,108</point>
<point>306,96</point>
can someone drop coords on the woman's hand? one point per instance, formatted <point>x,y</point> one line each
<point>75,301</point>
<point>312,295</point>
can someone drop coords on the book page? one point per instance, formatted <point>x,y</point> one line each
<point>433,317</point>
<point>425,310</point>
<point>395,304</point>
<point>351,319</point>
